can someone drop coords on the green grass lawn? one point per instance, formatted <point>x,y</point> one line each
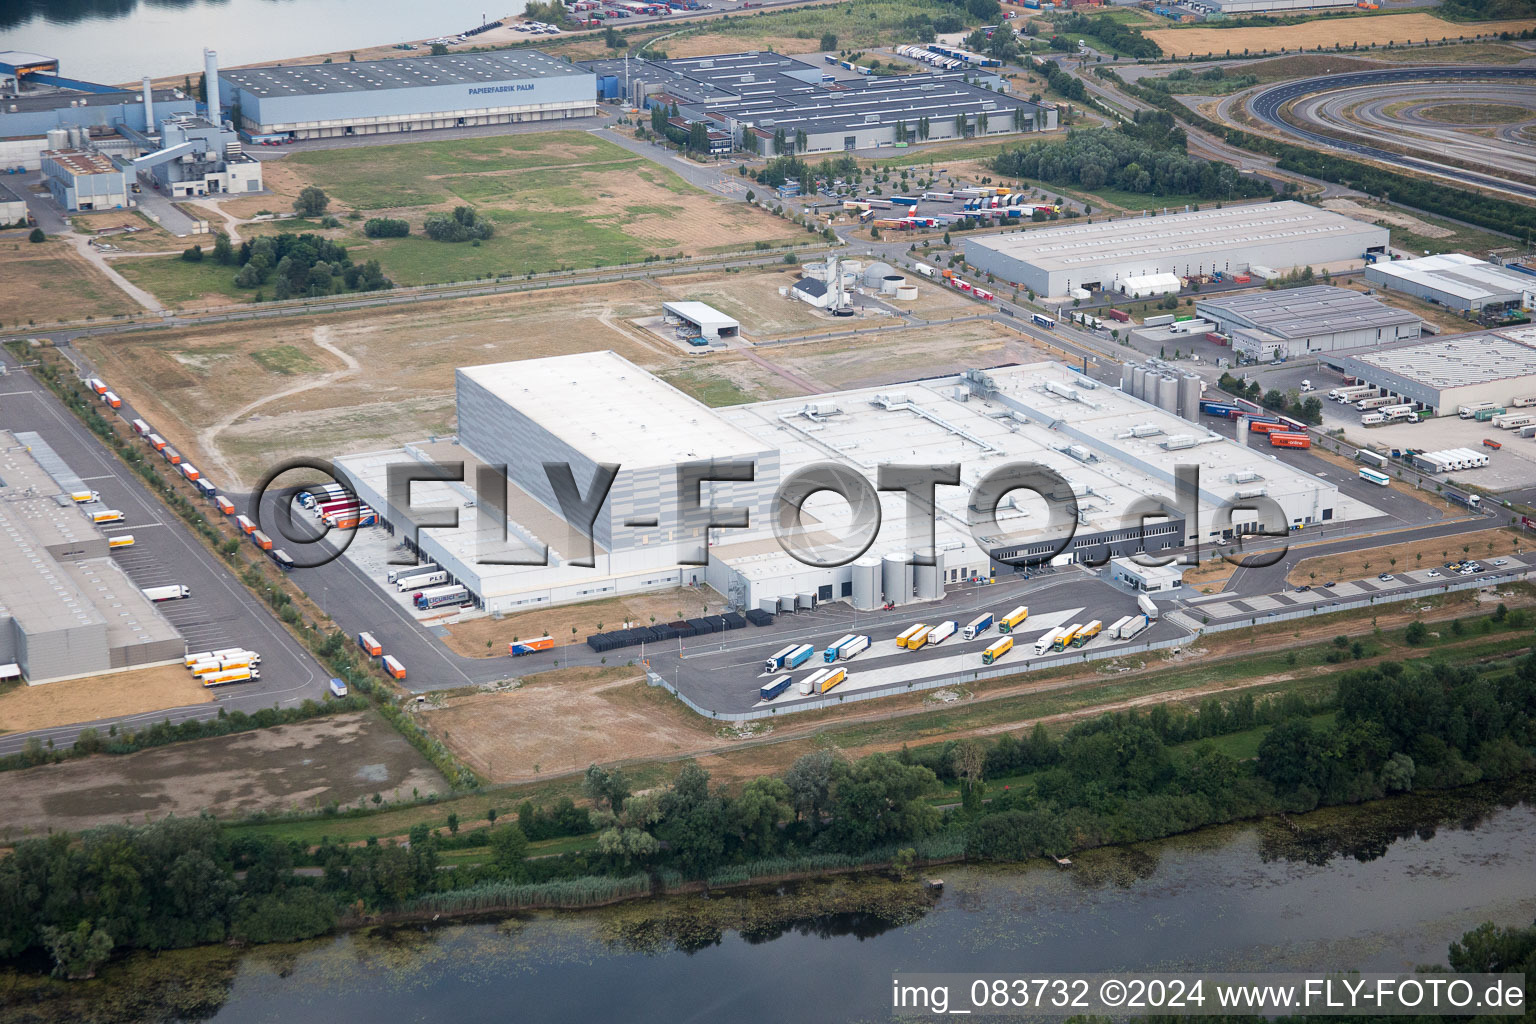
<point>711,389</point>
<point>176,282</point>
<point>1244,745</point>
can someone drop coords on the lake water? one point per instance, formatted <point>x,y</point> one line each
<point>1358,891</point>
<point>115,41</point>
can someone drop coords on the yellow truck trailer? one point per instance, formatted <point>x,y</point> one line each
<point>997,650</point>
<point>1008,623</point>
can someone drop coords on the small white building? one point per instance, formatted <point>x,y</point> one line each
<point>709,322</point>
<point>1147,285</point>
<point>1147,579</point>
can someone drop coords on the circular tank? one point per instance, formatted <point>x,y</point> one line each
<point>1168,394</point>
<point>1128,378</point>
<point>1189,396</point>
<point>866,584</point>
<point>906,293</point>
<point>896,578</point>
<point>889,283</point>
<point>930,579</point>
<point>1139,382</point>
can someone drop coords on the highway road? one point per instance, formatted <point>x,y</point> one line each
<point>1267,105</point>
<point>220,612</point>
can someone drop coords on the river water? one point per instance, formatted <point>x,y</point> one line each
<point>113,41</point>
<point>1360,890</point>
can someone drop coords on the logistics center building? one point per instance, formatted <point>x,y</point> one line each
<point>315,101</point>
<point>1261,238</point>
<point>1117,456</point>
<point>66,608</point>
<point>1443,374</point>
<point>1296,322</point>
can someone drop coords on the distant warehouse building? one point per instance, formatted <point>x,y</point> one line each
<point>1231,8</point>
<point>1295,322</point>
<point>315,101</point>
<point>1456,281</point>
<point>1463,369</point>
<point>1236,239</point>
<point>66,608</point>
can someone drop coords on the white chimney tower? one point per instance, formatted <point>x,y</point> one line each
<point>211,78</point>
<point>149,108</point>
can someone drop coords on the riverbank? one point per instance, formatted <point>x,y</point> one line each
<point>1259,895</point>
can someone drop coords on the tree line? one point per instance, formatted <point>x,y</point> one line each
<point>1093,158</point>
<point>1122,777</point>
<point>1121,38</point>
<point>306,264</point>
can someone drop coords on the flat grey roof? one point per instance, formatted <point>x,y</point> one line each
<point>1204,231</point>
<point>701,314</point>
<point>1461,359</point>
<point>771,91</point>
<point>1456,274</point>
<point>400,73</point>
<point>1307,312</point>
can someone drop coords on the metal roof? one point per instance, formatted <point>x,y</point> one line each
<point>1306,312</point>
<point>1461,359</point>
<point>1203,232</point>
<point>1456,274</point>
<point>700,314</point>
<point>400,73</point>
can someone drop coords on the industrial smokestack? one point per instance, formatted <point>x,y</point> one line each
<point>211,77</point>
<point>149,108</point>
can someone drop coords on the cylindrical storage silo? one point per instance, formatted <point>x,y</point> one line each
<point>866,584</point>
<point>889,283</point>
<point>1168,394</point>
<point>1139,382</point>
<point>1189,396</point>
<point>930,579</point>
<point>896,578</point>
<point>58,138</point>
<point>1242,431</point>
<point>906,292</point>
<point>1127,378</point>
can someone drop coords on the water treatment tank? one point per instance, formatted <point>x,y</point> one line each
<point>866,584</point>
<point>896,578</point>
<point>906,293</point>
<point>890,283</point>
<point>930,579</point>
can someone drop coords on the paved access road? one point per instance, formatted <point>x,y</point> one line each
<point>220,612</point>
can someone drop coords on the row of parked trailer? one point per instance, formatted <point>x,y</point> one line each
<point>1447,460</point>
<point>388,662</point>
<point>920,635</point>
<point>224,667</point>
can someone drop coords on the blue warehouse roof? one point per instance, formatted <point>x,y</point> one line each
<point>400,73</point>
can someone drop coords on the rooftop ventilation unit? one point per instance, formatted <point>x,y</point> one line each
<point>1179,442</point>
<point>1146,430</point>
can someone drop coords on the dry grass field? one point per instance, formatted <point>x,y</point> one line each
<point>49,281</point>
<point>1424,554</point>
<point>346,758</point>
<point>1365,31</point>
<point>563,721</point>
<point>137,692</point>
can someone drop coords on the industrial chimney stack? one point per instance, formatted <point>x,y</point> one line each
<point>211,78</point>
<point>149,108</point>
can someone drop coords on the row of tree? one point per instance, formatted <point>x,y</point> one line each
<point>1092,158</point>
<point>1288,403</point>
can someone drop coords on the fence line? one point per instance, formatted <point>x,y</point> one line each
<point>1101,654</point>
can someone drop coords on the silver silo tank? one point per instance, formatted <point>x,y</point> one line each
<point>1139,381</point>
<point>866,584</point>
<point>930,579</point>
<point>1168,394</point>
<point>1127,378</point>
<point>1189,396</point>
<point>1242,431</point>
<point>896,578</point>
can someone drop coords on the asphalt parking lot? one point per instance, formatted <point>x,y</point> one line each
<point>723,672</point>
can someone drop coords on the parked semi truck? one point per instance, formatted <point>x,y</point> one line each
<point>943,631</point>
<point>520,648</point>
<point>1010,622</point>
<point>174,592</point>
<point>1047,641</point>
<point>234,675</point>
<point>977,626</point>
<point>792,656</point>
<point>771,690</point>
<point>1066,636</point>
<point>997,650</point>
<point>1087,633</point>
<point>847,647</point>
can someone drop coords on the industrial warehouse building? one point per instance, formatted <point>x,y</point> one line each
<point>1464,369</point>
<point>1116,453</point>
<point>1456,281</point>
<point>1296,322</point>
<point>1233,8</point>
<point>316,101</point>
<point>66,608</point>
<point>1265,238</point>
<point>82,179</point>
<point>766,102</point>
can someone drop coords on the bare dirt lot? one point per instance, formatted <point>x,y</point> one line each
<point>563,721</point>
<point>346,758</point>
<point>572,624</point>
<point>753,299</point>
<point>1379,31</point>
<point>84,700</point>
